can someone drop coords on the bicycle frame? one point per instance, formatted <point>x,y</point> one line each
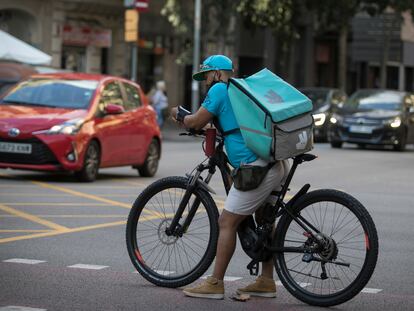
<point>220,160</point>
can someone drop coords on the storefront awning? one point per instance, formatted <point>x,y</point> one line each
<point>14,49</point>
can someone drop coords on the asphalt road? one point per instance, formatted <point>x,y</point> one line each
<point>62,243</point>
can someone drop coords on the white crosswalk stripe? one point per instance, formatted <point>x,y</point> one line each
<point>226,278</point>
<point>90,267</point>
<point>25,261</point>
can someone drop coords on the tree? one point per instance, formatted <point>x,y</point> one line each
<point>217,19</point>
<point>339,13</point>
<point>283,18</point>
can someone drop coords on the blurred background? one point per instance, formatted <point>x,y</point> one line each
<point>344,44</point>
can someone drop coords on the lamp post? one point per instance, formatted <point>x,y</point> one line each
<point>196,55</point>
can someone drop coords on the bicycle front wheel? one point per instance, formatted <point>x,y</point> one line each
<point>168,260</point>
<point>336,272</point>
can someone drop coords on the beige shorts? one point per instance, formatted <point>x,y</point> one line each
<point>247,202</point>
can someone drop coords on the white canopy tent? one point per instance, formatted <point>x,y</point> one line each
<point>14,49</point>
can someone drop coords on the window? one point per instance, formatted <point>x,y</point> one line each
<point>111,95</point>
<point>132,97</point>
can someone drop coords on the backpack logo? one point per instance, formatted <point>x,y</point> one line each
<point>273,97</point>
<point>303,140</point>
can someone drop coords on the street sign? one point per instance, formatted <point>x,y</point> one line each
<point>131,25</point>
<point>141,5</point>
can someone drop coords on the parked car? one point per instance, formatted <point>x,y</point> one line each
<point>375,117</point>
<point>80,123</point>
<point>12,73</point>
<point>325,101</point>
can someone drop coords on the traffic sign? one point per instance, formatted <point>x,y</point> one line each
<point>131,25</point>
<point>141,5</point>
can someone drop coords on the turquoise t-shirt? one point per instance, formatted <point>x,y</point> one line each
<point>217,102</point>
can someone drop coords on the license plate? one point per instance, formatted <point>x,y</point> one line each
<point>15,148</point>
<point>360,129</point>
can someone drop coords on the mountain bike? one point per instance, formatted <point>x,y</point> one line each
<point>324,247</point>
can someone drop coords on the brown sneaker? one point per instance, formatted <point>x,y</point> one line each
<point>262,287</point>
<point>210,288</point>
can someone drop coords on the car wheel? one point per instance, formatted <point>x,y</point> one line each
<point>336,144</point>
<point>402,141</point>
<point>150,166</point>
<point>90,168</point>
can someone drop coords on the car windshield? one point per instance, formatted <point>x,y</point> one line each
<point>374,100</point>
<point>318,97</point>
<point>72,94</point>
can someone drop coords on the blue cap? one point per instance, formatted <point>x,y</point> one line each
<point>213,62</point>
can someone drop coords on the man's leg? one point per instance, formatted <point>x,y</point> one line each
<point>226,244</point>
<point>213,287</point>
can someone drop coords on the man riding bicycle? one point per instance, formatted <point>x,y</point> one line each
<point>216,71</point>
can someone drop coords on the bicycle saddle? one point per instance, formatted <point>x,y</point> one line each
<point>305,157</point>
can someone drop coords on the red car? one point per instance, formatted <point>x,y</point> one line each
<point>78,122</point>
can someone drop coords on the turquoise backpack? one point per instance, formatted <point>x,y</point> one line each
<point>275,119</point>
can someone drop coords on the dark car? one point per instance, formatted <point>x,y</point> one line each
<point>325,101</point>
<point>374,117</point>
<point>78,123</point>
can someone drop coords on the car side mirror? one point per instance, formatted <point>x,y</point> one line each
<point>113,109</point>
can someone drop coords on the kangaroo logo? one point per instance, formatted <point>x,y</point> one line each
<point>273,97</point>
<point>303,140</point>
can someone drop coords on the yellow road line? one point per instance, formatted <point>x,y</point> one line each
<point>22,230</point>
<point>87,196</point>
<point>79,229</point>
<point>32,218</point>
<point>55,204</point>
<point>63,195</point>
<point>69,216</point>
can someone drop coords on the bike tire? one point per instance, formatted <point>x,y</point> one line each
<point>303,290</point>
<point>144,204</point>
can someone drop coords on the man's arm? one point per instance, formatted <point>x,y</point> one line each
<point>196,121</point>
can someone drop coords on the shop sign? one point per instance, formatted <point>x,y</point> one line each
<point>85,36</point>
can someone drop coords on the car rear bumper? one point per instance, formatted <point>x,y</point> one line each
<point>379,136</point>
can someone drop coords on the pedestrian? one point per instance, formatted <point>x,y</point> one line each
<point>216,71</point>
<point>160,102</point>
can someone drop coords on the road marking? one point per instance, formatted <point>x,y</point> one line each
<point>81,194</point>
<point>52,233</point>
<point>17,231</point>
<point>88,196</point>
<point>371,290</point>
<point>365,290</point>
<point>25,261</point>
<point>33,218</point>
<point>226,278</point>
<point>55,204</point>
<point>89,267</point>
<point>69,216</point>
<point>20,308</point>
<point>162,272</point>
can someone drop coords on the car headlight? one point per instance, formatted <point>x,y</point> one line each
<point>394,122</point>
<point>70,127</point>
<point>319,119</point>
<point>335,118</point>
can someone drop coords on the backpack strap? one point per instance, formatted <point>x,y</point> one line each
<point>235,130</point>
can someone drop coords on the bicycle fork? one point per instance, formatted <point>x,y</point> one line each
<point>195,181</point>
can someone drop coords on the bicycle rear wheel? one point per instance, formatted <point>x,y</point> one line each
<point>349,236</point>
<point>171,261</point>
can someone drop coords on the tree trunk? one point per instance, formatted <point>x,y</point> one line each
<point>342,66</point>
